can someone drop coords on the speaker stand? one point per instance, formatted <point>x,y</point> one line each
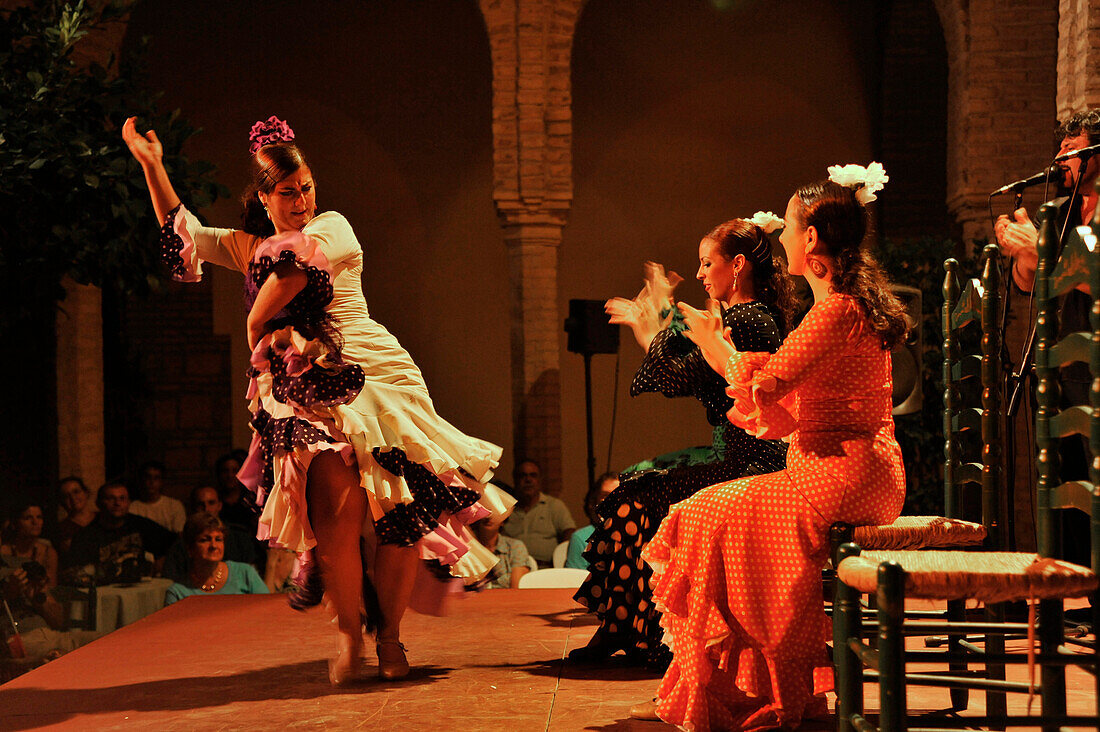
<point>588,420</point>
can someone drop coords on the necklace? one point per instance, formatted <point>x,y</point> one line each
<point>212,585</point>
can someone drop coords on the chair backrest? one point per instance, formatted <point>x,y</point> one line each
<point>558,577</point>
<point>973,315</point>
<point>561,551</point>
<point>1076,264</point>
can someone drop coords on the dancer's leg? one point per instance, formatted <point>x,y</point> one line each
<point>394,574</point>
<point>337,507</point>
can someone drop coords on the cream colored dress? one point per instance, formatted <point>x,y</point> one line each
<point>328,377</point>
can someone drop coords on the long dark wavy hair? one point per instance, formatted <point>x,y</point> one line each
<point>770,281</point>
<point>841,222</point>
<point>269,165</point>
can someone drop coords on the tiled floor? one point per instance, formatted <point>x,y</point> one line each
<point>222,663</point>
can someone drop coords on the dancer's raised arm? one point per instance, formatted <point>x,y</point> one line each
<point>148,151</point>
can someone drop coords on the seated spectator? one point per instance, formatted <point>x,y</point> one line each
<point>540,521</point>
<point>239,546</point>
<point>28,574</point>
<point>80,510</point>
<point>237,505</point>
<point>24,543</point>
<point>115,543</point>
<point>579,540</point>
<point>152,504</point>
<point>210,573</point>
<point>514,559</point>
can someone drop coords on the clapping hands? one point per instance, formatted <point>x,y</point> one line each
<point>707,330</point>
<point>643,313</point>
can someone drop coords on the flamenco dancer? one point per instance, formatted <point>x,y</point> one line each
<point>347,445</point>
<point>739,563</point>
<point>738,271</point>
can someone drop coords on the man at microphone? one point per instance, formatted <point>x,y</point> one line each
<point>1018,236</point>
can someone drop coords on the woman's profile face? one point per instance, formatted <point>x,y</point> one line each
<point>73,497</point>
<point>715,271</point>
<point>209,546</point>
<point>293,201</point>
<point>29,523</point>
<point>793,238</point>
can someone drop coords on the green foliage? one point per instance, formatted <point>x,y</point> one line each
<point>919,263</point>
<point>74,201</point>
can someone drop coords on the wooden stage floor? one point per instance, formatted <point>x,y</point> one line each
<point>495,662</point>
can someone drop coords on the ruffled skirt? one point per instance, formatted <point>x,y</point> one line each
<point>425,480</point>
<point>618,587</point>
<point>738,580</point>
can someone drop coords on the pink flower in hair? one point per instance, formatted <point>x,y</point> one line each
<point>269,132</point>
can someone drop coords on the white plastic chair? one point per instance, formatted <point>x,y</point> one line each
<point>561,553</point>
<point>556,577</point>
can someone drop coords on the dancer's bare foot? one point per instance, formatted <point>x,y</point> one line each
<point>392,663</point>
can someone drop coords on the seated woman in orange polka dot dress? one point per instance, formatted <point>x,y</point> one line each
<point>738,565</point>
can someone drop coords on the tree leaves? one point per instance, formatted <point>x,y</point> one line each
<point>74,201</point>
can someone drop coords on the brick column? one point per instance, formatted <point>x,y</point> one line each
<point>1078,56</point>
<point>531,43</point>
<point>80,384</point>
<point>1001,59</point>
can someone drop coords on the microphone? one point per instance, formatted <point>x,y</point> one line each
<point>1084,152</point>
<point>1041,177</point>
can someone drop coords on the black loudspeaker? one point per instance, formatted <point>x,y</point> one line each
<point>589,330</point>
<point>906,359</point>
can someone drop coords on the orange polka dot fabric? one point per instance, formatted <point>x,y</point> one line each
<point>738,565</point>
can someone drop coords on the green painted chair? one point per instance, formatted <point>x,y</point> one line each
<point>993,576</point>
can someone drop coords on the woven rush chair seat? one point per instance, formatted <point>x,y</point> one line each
<point>990,577</point>
<point>920,532</point>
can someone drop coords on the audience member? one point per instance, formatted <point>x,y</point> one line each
<point>237,507</point>
<point>579,540</point>
<point>153,504</point>
<point>239,546</point>
<point>24,544</point>
<point>116,542</point>
<point>80,510</point>
<point>28,573</point>
<point>210,573</point>
<point>540,521</point>
<point>514,559</point>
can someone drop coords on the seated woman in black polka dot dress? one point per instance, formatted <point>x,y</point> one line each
<point>738,271</point>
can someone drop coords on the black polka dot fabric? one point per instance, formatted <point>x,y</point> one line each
<point>407,523</point>
<point>171,246</point>
<point>308,306</point>
<point>318,386</point>
<point>618,586</point>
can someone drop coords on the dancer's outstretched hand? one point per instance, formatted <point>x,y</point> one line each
<point>707,330</point>
<point>659,285</point>
<point>145,148</point>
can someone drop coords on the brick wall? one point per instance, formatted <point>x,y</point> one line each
<point>1002,60</point>
<point>182,396</point>
<point>1078,56</point>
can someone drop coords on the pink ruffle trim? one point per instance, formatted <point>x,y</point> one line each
<point>192,265</point>
<point>307,253</point>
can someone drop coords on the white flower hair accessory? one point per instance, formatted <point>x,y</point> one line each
<point>767,221</point>
<point>867,181</point>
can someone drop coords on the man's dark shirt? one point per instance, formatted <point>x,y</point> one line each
<point>108,549</point>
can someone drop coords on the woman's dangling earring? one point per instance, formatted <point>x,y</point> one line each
<point>736,274</point>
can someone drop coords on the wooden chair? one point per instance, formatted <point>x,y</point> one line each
<point>990,577</point>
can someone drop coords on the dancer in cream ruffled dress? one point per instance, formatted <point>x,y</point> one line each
<point>347,447</point>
